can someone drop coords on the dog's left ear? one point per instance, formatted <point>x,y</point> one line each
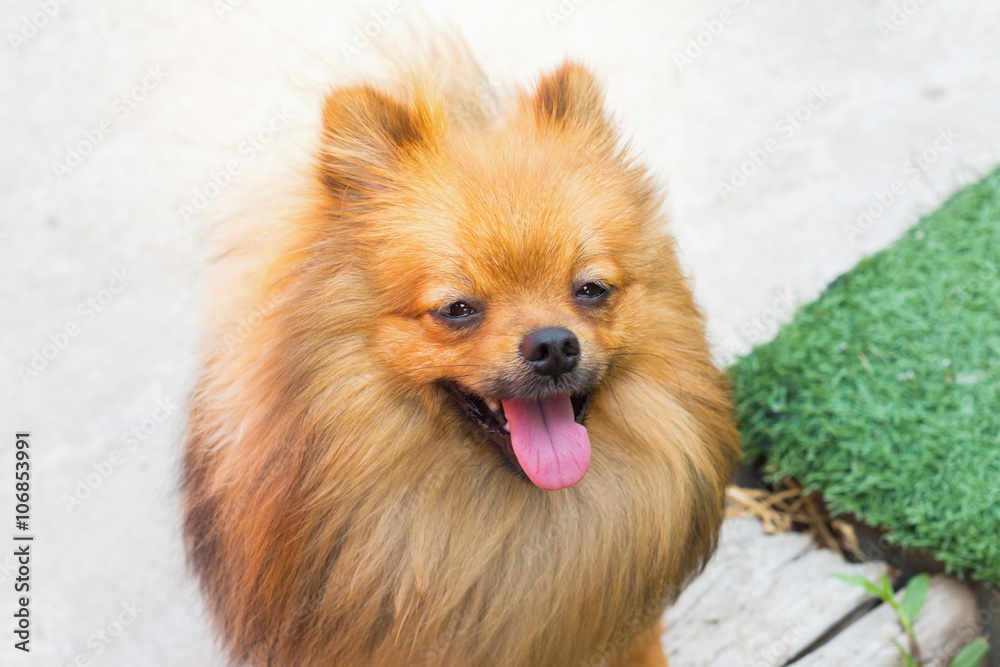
<point>568,98</point>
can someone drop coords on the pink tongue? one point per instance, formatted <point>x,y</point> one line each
<point>553,450</point>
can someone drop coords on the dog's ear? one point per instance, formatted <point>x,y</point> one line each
<point>369,135</point>
<point>570,97</point>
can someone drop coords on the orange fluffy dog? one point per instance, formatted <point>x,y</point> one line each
<point>477,422</point>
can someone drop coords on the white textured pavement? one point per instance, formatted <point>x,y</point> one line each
<point>773,124</point>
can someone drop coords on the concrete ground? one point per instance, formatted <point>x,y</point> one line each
<point>794,138</point>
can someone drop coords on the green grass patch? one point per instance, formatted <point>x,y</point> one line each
<point>884,393</point>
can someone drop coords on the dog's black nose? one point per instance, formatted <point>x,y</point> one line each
<point>551,350</point>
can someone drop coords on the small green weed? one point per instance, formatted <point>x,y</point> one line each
<point>907,611</point>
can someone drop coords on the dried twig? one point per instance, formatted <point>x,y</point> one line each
<point>789,508</point>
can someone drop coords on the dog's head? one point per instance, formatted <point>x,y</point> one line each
<point>510,265</point>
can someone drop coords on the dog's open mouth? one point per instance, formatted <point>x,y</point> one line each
<point>542,439</point>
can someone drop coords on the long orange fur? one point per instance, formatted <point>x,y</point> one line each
<point>338,509</point>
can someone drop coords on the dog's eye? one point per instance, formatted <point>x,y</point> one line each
<point>591,291</point>
<point>457,310</point>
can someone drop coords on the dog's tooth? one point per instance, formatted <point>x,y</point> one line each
<point>493,405</point>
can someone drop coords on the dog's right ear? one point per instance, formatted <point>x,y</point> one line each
<point>568,97</point>
<point>369,135</point>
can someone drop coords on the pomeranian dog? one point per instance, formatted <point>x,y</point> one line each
<point>476,421</point>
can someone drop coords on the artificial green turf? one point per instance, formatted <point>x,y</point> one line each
<point>884,393</point>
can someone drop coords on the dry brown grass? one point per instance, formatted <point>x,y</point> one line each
<point>788,508</point>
